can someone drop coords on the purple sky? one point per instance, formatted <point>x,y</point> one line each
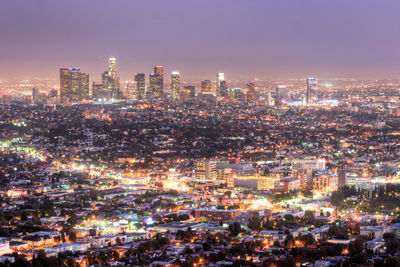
<point>243,38</point>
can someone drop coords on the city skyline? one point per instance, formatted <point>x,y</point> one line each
<point>200,133</point>
<point>199,39</point>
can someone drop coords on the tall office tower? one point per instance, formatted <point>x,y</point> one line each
<point>175,85</point>
<point>84,87</point>
<point>157,82</point>
<point>159,70</point>
<point>130,90</point>
<point>206,86</point>
<point>251,92</point>
<point>223,89</point>
<point>312,85</point>
<point>153,85</point>
<point>303,100</point>
<point>205,170</point>
<point>220,78</point>
<point>342,176</point>
<point>140,86</point>
<point>74,84</point>
<point>99,92</point>
<point>65,83</point>
<point>111,80</point>
<point>270,100</point>
<point>35,95</point>
<point>112,67</point>
<point>280,90</point>
<point>188,93</point>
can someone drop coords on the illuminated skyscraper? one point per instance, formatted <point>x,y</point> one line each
<point>312,85</point>
<point>303,100</point>
<point>35,95</point>
<point>220,78</point>
<point>112,67</point>
<point>175,85</point>
<point>188,93</point>
<point>159,70</point>
<point>251,92</point>
<point>99,93</point>
<point>280,90</point>
<point>206,86</point>
<point>111,80</point>
<point>270,99</point>
<point>153,85</point>
<point>140,86</point>
<point>130,90</point>
<point>157,82</point>
<point>223,89</point>
<point>65,82</point>
<point>342,176</point>
<point>74,84</point>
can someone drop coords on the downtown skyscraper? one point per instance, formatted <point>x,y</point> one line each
<point>110,79</point>
<point>205,86</point>
<point>279,92</point>
<point>219,80</point>
<point>175,85</point>
<point>74,85</point>
<point>157,82</point>
<point>251,93</point>
<point>312,86</point>
<point>140,86</point>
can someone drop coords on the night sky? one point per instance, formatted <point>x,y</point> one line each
<point>244,38</point>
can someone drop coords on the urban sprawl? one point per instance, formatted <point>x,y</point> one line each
<point>158,171</point>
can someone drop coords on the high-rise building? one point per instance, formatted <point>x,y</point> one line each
<point>140,86</point>
<point>99,92</point>
<point>280,90</point>
<point>111,80</point>
<point>35,95</point>
<point>220,78</point>
<point>157,82</point>
<point>74,85</point>
<point>270,99</point>
<point>206,86</point>
<point>223,89</point>
<point>112,67</point>
<point>312,85</point>
<point>65,82</point>
<point>303,100</point>
<point>130,90</point>
<point>251,92</point>
<point>188,93</point>
<point>205,170</point>
<point>342,176</point>
<point>175,85</point>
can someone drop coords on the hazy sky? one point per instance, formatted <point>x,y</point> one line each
<point>243,38</point>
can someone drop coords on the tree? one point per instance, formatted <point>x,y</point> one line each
<point>92,232</point>
<point>183,217</point>
<point>392,243</point>
<point>255,223</point>
<point>72,236</point>
<point>24,216</point>
<point>235,228</point>
<point>307,240</point>
<point>188,250</point>
<point>289,217</point>
<point>206,246</point>
<point>309,215</point>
